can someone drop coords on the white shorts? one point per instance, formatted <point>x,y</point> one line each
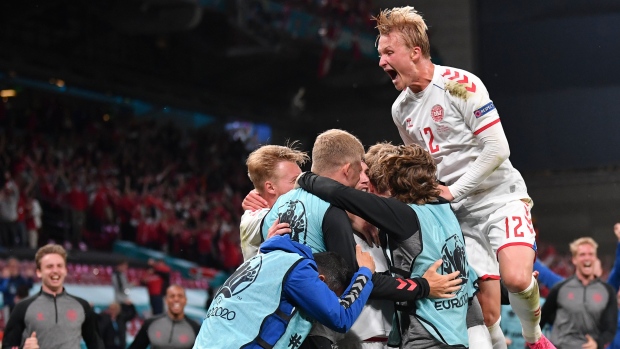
<point>491,228</point>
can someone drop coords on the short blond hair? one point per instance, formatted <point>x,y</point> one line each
<point>333,149</point>
<point>409,174</point>
<point>49,249</point>
<point>371,159</point>
<point>262,162</point>
<point>408,23</point>
<point>582,241</point>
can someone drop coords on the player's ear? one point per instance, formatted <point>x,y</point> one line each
<point>269,188</point>
<point>322,277</point>
<point>414,52</point>
<point>346,168</point>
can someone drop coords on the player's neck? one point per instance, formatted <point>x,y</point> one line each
<point>271,199</point>
<point>49,291</point>
<point>585,279</point>
<point>425,70</point>
<point>176,317</point>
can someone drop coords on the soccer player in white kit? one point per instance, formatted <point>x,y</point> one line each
<point>273,169</point>
<point>448,111</point>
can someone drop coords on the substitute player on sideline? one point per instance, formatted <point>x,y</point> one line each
<point>273,170</point>
<point>52,317</point>
<point>448,111</point>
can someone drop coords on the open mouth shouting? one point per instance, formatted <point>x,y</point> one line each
<point>392,73</point>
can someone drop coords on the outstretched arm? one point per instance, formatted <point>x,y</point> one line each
<point>390,215</point>
<point>614,274</point>
<point>305,290</point>
<point>546,276</point>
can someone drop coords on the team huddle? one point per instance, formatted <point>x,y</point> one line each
<point>444,216</point>
<point>399,245</point>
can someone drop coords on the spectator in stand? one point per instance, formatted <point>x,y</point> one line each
<point>22,233</point>
<point>77,201</point>
<point>170,330</point>
<point>33,220</point>
<point>12,280</point>
<point>582,309</point>
<point>156,280</point>
<point>9,198</point>
<point>120,283</point>
<point>126,205</point>
<point>113,324</point>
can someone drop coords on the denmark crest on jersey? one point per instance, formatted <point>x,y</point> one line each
<point>437,113</point>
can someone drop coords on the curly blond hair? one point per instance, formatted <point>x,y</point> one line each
<point>262,162</point>
<point>408,23</point>
<point>371,159</point>
<point>409,174</point>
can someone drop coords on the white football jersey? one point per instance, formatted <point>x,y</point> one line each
<point>249,229</point>
<point>376,318</point>
<point>445,119</point>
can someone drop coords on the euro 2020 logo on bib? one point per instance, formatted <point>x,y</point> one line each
<point>454,258</point>
<point>294,213</point>
<point>242,278</point>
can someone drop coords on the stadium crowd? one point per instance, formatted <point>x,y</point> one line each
<point>99,177</point>
<point>445,216</point>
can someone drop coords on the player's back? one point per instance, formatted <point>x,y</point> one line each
<point>304,212</point>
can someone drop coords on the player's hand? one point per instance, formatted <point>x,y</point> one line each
<point>278,228</point>
<point>508,341</point>
<point>364,259</point>
<point>442,286</point>
<point>297,180</point>
<point>253,201</point>
<point>31,342</point>
<point>590,343</point>
<point>445,192</point>
<point>367,231</point>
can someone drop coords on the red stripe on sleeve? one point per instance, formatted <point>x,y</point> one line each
<point>486,126</point>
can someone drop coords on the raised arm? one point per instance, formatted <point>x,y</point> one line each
<point>546,276</point>
<point>387,214</point>
<point>614,274</point>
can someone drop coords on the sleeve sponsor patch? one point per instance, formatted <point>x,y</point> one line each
<point>484,109</point>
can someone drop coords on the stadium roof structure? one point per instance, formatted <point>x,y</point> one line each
<point>190,54</point>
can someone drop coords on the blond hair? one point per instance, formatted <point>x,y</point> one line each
<point>371,159</point>
<point>333,149</point>
<point>49,249</point>
<point>409,174</point>
<point>582,241</point>
<point>262,162</point>
<point>408,23</point>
